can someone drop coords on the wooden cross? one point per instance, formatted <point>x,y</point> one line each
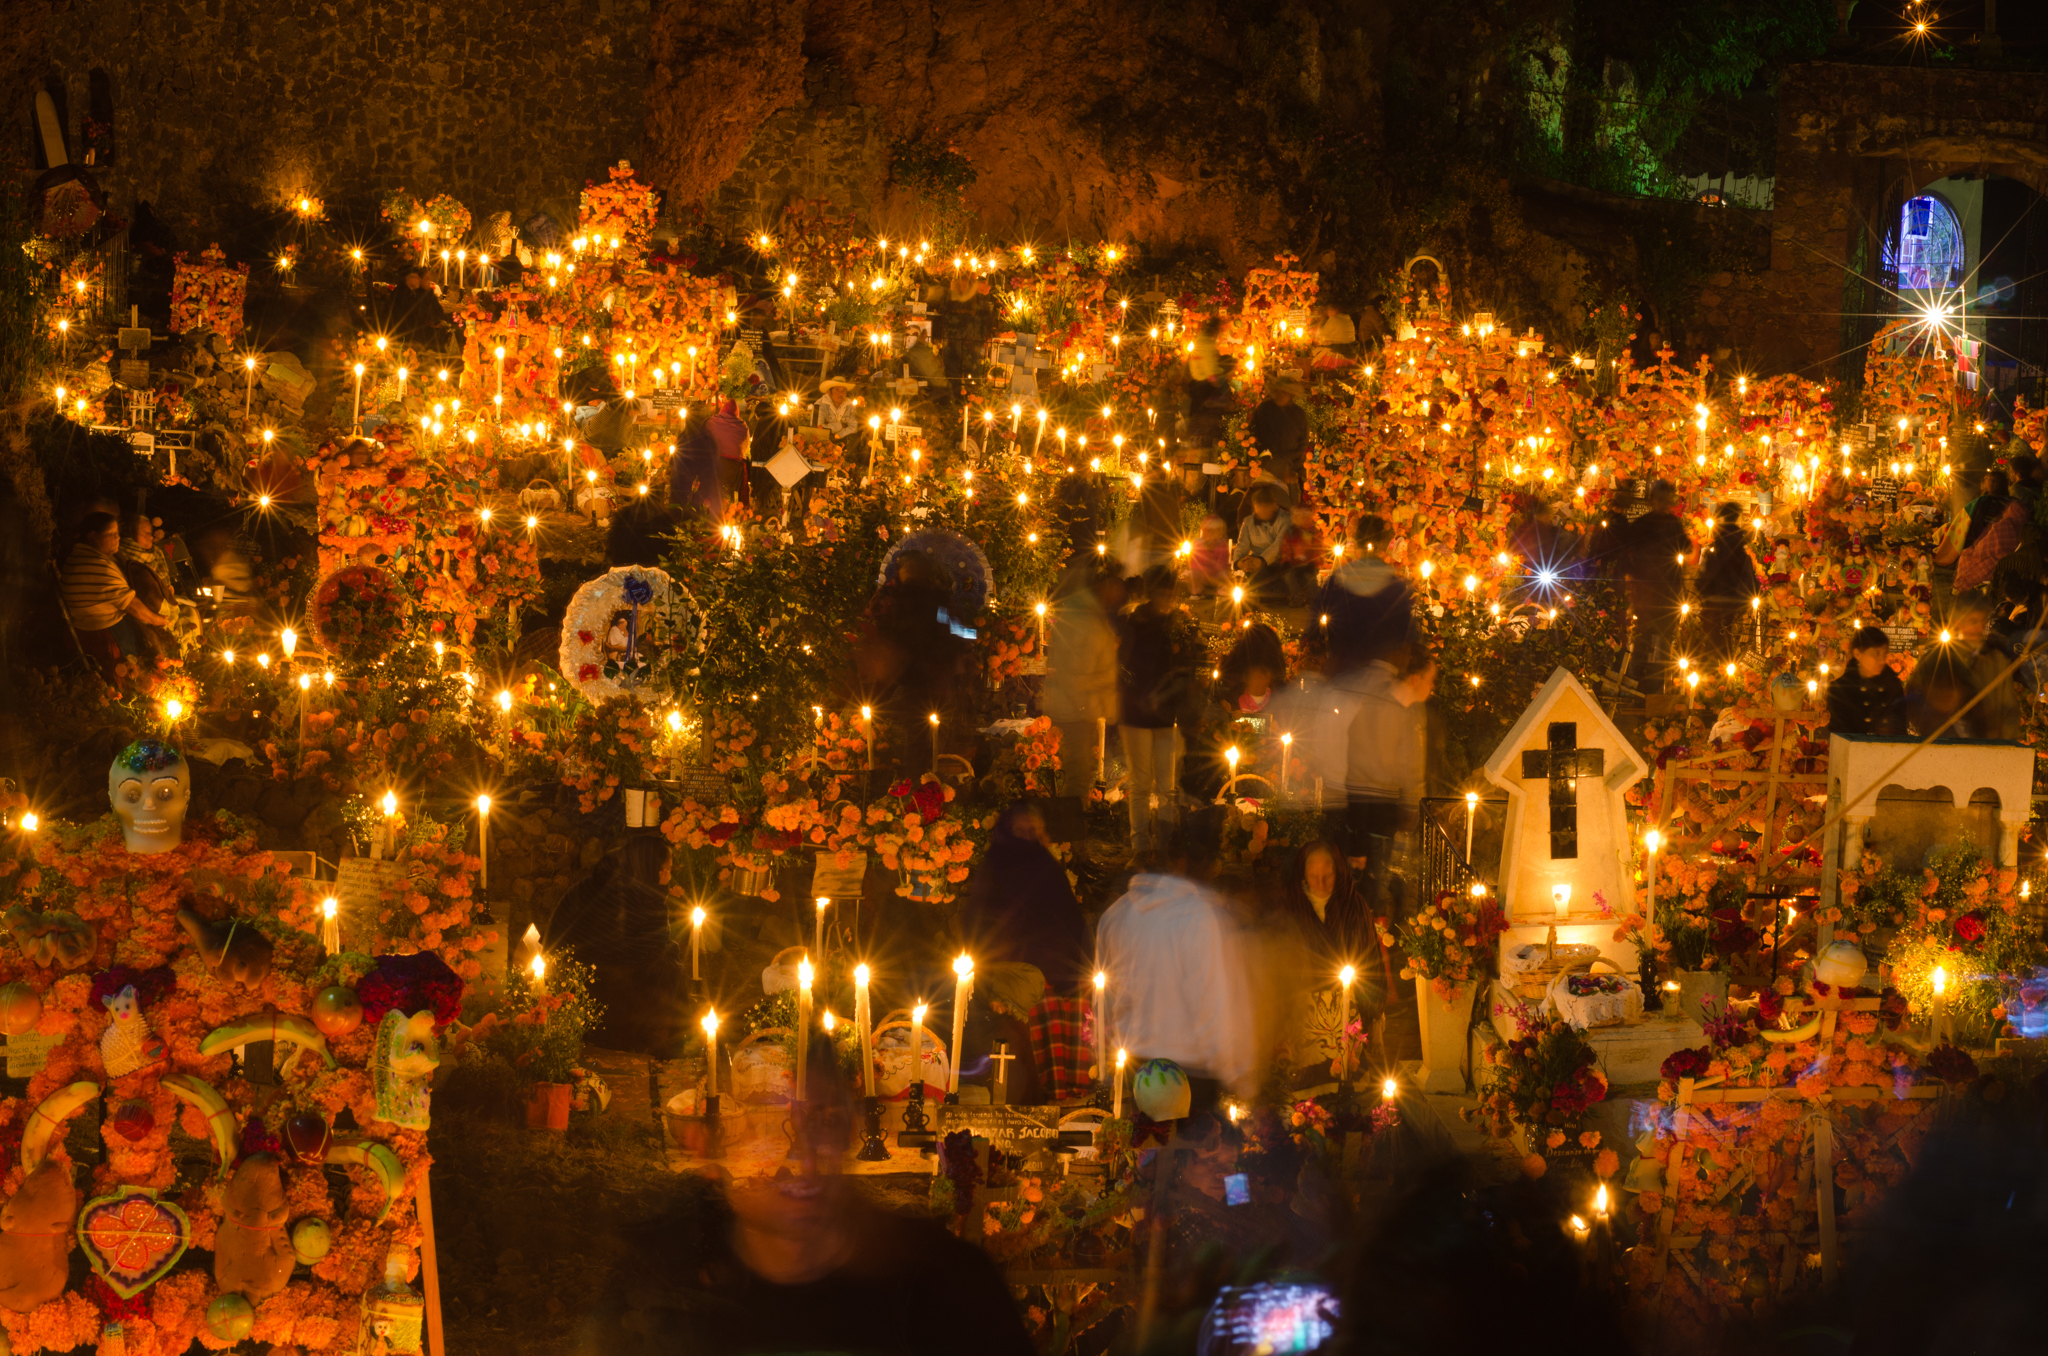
<point>1562,764</point>
<point>1001,1059</point>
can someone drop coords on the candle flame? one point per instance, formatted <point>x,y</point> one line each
<point>860,976</point>
<point>1390,1089</point>
<point>1940,978</point>
<point>1121,1056</point>
<point>1578,1225</point>
<point>962,966</point>
<point>483,805</point>
<point>829,1021</point>
<point>804,973</point>
<point>1346,976</point>
<point>710,1023</point>
<point>540,968</point>
<point>390,804</point>
<point>697,916</point>
<point>1600,1200</point>
<point>329,906</point>
<point>917,1014</point>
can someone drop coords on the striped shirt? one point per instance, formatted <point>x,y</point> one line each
<point>95,594</point>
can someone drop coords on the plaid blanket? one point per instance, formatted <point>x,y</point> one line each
<point>1060,1044</point>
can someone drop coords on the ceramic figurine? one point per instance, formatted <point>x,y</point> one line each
<point>402,1067</point>
<point>232,948</point>
<point>392,1313</point>
<point>150,787</point>
<point>55,938</point>
<point>252,1255</point>
<point>128,1044</point>
<point>35,1238</point>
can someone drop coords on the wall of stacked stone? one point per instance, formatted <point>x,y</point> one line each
<point>837,154</point>
<point>222,104</point>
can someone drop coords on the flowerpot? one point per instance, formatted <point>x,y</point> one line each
<point>1443,1029</point>
<point>547,1106</point>
<point>1695,987</point>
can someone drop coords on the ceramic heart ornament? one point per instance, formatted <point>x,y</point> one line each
<point>132,1239</point>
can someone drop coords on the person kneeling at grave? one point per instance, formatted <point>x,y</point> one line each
<point>1867,698</point>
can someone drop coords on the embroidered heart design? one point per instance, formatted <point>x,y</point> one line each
<point>132,1239</point>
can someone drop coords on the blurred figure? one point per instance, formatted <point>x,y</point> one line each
<point>1654,549</point>
<point>1158,650</point>
<point>729,433</point>
<point>694,479</point>
<point>1325,925</point>
<point>1020,907</point>
<point>1259,538</point>
<point>1080,692</point>
<point>799,1260</point>
<point>148,572</point>
<point>1178,987</point>
<point>1365,606</point>
<point>1384,762</point>
<point>1209,561</point>
<point>104,610</point>
<point>1948,674</point>
<point>1247,681</point>
<point>1727,582</point>
<point>1994,492</point>
<point>1301,555</point>
<point>616,918</point>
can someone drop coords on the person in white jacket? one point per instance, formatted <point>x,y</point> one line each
<point>1080,692</point>
<point>1178,979</point>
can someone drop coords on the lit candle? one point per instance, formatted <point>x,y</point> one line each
<point>1939,978</point>
<point>483,840</point>
<point>1040,610</point>
<point>818,938</point>
<point>1041,434</point>
<point>710,1025</point>
<point>1651,841</point>
<point>934,719</point>
<point>1471,809</point>
<point>1286,747</point>
<point>1561,900</point>
<point>1101,1025</point>
<point>358,419</point>
<point>305,682</point>
<point>501,371</point>
<point>917,1046</point>
<point>1116,1096</point>
<point>697,943</point>
<point>390,823</point>
<point>867,725</point>
<point>248,391</point>
<point>963,990</point>
<point>330,925</point>
<point>803,1025</point>
<point>863,1020</point>
<point>1101,741</point>
<point>1344,979</point>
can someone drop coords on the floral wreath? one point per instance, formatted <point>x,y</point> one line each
<point>379,606</point>
<point>617,626</point>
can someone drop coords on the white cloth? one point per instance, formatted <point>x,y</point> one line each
<point>1178,984</point>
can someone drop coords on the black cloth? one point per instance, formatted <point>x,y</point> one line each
<point>1156,659</point>
<point>1867,706</point>
<point>907,1289</point>
<point>1281,431</point>
<point>1985,510</point>
<point>1020,907</point>
<point>1726,572</point>
<point>1653,544</point>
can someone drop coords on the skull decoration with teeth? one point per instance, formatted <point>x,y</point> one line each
<point>150,787</point>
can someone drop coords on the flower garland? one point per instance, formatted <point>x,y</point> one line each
<point>630,632</point>
<point>208,294</point>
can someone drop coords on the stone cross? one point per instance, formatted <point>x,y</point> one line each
<point>1001,1059</point>
<point>1562,764</point>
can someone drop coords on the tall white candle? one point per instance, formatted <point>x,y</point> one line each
<point>863,1022</point>
<point>917,1046</point>
<point>330,925</point>
<point>803,1025</point>
<point>697,942</point>
<point>1101,1025</point>
<point>1344,979</point>
<point>1116,1096</point>
<point>963,990</point>
<point>710,1025</point>
<point>818,933</point>
<point>483,839</point>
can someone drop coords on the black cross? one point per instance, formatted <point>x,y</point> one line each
<point>1562,764</point>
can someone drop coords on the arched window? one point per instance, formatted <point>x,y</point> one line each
<point>1925,247</point>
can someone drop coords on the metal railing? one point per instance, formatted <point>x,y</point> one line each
<point>1441,863</point>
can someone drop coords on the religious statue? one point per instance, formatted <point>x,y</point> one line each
<point>35,1238</point>
<point>150,787</point>
<point>127,1044</point>
<point>252,1254</point>
<point>402,1067</point>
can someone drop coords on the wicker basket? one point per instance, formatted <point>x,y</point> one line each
<point>1595,1010</point>
<point>1532,985</point>
<point>892,1081</point>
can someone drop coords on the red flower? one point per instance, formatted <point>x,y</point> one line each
<point>1970,927</point>
<point>721,833</point>
<point>1685,1064</point>
<point>586,673</point>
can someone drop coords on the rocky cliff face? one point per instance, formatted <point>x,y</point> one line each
<point>1174,124</point>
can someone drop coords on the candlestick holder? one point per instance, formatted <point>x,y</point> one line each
<point>916,1132</point>
<point>874,1145</point>
<point>1102,1096</point>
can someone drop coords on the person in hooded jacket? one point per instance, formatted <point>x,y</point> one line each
<point>1365,607</point>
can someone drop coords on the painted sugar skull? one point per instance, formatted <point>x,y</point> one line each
<point>1160,1088</point>
<point>150,787</point>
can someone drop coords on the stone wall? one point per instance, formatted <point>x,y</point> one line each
<point>225,104</point>
<point>840,154</point>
